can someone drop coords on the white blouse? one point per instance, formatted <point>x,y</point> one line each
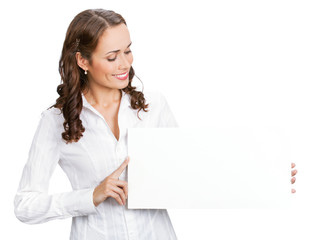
<point>87,163</point>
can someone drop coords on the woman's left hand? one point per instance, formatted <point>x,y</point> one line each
<point>294,172</point>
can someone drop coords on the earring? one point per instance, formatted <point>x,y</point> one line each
<point>86,72</point>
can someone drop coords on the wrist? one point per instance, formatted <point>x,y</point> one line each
<point>95,202</point>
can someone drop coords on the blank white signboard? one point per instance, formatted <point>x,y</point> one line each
<point>235,167</point>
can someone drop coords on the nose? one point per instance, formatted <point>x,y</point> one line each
<point>123,62</point>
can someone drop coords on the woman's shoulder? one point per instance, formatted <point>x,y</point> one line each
<point>52,114</point>
<point>160,110</point>
<point>50,122</point>
<point>154,98</point>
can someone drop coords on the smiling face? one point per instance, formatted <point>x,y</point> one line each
<point>111,60</point>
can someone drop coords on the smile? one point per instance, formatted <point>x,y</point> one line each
<point>122,76</point>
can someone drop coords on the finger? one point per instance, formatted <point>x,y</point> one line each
<point>116,174</point>
<point>293,191</point>
<point>120,193</point>
<point>123,185</point>
<point>115,196</point>
<point>125,189</point>
<point>293,165</point>
<point>293,180</point>
<point>118,182</point>
<point>294,172</point>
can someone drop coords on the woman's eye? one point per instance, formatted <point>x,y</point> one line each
<point>113,59</point>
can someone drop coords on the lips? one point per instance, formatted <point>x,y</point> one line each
<point>122,76</point>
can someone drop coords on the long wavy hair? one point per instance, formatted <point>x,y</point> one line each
<point>82,36</point>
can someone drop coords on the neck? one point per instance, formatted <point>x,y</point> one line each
<point>103,98</point>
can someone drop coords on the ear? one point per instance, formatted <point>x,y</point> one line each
<point>81,61</point>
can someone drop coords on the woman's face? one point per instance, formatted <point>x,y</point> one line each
<point>112,59</point>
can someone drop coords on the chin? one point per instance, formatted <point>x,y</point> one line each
<point>126,83</point>
<point>121,86</point>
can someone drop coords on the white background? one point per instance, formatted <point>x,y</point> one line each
<point>218,63</point>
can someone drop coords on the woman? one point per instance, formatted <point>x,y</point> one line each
<point>85,132</point>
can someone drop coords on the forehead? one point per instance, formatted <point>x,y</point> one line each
<point>113,38</point>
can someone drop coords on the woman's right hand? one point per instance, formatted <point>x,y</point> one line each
<point>112,187</point>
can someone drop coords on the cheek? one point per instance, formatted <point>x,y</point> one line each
<point>130,59</point>
<point>106,68</point>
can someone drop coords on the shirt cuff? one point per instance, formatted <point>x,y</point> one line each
<point>80,203</point>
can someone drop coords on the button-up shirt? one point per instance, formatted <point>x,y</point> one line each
<point>87,163</point>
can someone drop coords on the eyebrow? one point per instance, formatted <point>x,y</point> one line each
<point>115,51</point>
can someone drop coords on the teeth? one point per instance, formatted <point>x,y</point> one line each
<point>121,75</point>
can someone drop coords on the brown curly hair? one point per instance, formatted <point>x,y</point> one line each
<point>82,36</point>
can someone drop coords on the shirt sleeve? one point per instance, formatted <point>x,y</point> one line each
<point>32,203</point>
<point>166,117</point>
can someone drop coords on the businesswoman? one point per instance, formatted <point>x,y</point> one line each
<point>85,132</point>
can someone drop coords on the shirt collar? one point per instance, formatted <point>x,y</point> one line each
<point>125,100</point>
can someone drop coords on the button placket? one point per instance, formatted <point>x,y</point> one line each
<point>130,221</point>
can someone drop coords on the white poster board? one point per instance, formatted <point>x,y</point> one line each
<point>235,167</point>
